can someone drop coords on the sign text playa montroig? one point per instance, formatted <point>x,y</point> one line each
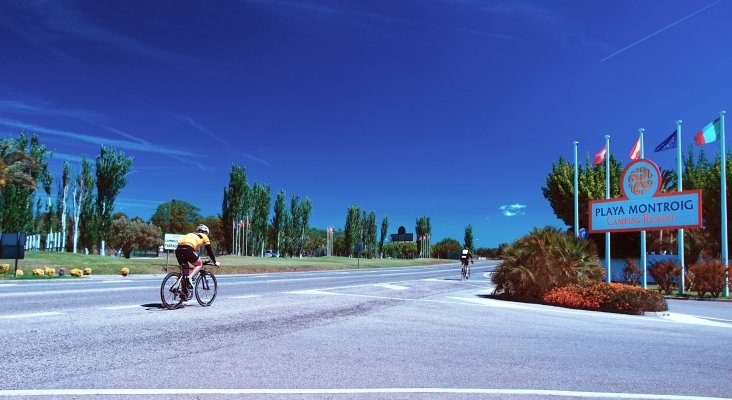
<point>643,207</point>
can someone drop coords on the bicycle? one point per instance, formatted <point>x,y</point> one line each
<point>173,293</point>
<point>465,272</point>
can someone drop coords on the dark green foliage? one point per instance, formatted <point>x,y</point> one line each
<point>444,247</point>
<point>176,216</point>
<point>543,260</point>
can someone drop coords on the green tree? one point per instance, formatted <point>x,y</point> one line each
<point>236,203</point>
<point>444,247</point>
<point>112,168</point>
<point>86,219</point>
<point>382,237</point>
<point>23,164</point>
<point>129,235</point>
<point>305,208</point>
<point>63,201</point>
<point>278,219</point>
<point>468,239</point>
<point>260,215</point>
<point>353,228</point>
<point>176,216</point>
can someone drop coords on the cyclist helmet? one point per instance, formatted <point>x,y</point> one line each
<point>202,228</point>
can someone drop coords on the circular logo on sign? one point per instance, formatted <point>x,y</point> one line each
<point>641,178</point>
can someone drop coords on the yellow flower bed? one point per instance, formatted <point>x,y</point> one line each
<point>4,268</point>
<point>87,271</point>
<point>75,272</point>
<point>39,271</point>
<point>124,271</point>
<point>49,271</point>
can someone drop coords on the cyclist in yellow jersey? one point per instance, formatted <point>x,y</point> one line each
<point>186,250</point>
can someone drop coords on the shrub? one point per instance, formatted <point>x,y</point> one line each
<point>125,271</point>
<point>49,271</point>
<point>4,268</point>
<point>631,272</point>
<point>542,260</point>
<point>39,271</point>
<point>605,296</point>
<point>75,272</point>
<point>87,271</point>
<point>18,273</point>
<point>665,274</point>
<point>707,277</point>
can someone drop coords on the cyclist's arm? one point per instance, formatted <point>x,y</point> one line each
<point>210,253</point>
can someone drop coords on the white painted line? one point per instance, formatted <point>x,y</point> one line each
<point>31,315</point>
<point>314,292</point>
<point>692,320</point>
<point>274,391</point>
<point>120,307</point>
<point>392,287</point>
<point>8,284</point>
<point>247,296</point>
<point>76,291</point>
<point>118,281</point>
<point>433,280</point>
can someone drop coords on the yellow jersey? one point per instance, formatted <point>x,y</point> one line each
<point>194,240</point>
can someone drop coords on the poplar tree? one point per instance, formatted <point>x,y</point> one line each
<point>260,214</point>
<point>278,219</point>
<point>112,168</point>
<point>384,230</point>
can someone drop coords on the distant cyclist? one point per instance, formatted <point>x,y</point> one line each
<point>186,251</point>
<point>464,257</point>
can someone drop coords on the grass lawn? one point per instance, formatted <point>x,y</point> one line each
<point>688,294</point>
<point>230,264</point>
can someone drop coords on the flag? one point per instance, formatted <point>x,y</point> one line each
<point>668,143</point>
<point>709,133</point>
<point>600,156</point>
<point>635,151</point>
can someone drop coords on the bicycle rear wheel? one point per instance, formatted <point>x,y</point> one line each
<point>206,288</point>
<point>171,291</point>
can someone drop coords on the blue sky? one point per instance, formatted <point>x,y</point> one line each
<point>453,109</point>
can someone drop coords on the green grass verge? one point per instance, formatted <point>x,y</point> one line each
<point>230,264</point>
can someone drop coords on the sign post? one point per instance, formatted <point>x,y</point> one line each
<point>170,243</point>
<point>642,207</point>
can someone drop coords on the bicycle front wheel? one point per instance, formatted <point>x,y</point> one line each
<point>206,288</point>
<point>171,291</point>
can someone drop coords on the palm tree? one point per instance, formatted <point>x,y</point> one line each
<point>16,167</point>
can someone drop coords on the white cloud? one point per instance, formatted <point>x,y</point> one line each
<point>512,210</point>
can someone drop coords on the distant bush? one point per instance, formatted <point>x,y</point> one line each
<point>76,272</point>
<point>407,250</point>
<point>87,271</point>
<point>631,272</point>
<point>4,268</point>
<point>49,271</point>
<point>605,296</point>
<point>39,271</point>
<point>124,271</point>
<point>707,276</point>
<point>665,273</point>
<point>545,259</point>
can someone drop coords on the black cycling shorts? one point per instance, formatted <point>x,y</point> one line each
<point>186,254</point>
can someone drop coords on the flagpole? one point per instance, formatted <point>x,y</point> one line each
<point>607,196</point>
<point>723,168</point>
<point>576,192</point>
<point>680,187</point>
<point>643,258</point>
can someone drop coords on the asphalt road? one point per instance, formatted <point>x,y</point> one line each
<point>403,333</point>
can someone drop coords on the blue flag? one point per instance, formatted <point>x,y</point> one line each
<point>668,143</point>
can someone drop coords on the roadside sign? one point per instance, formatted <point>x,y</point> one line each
<point>171,241</point>
<point>583,234</point>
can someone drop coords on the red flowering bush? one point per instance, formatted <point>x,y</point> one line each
<point>707,277</point>
<point>605,296</point>
<point>665,273</point>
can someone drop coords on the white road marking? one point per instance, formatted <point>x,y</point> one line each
<point>314,292</point>
<point>75,291</point>
<point>690,319</point>
<point>333,391</point>
<point>31,315</point>
<point>392,287</point>
<point>8,284</point>
<point>246,296</point>
<point>120,307</point>
<point>118,281</point>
